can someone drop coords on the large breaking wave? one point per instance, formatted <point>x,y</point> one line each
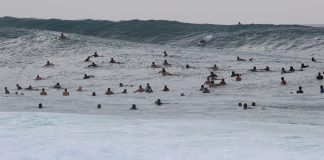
<point>282,37</point>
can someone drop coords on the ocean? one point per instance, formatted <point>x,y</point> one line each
<point>283,124</point>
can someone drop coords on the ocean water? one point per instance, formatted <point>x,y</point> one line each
<point>283,125</point>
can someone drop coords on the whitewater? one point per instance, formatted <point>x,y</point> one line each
<point>284,125</point>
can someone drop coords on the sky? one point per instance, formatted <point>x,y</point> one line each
<point>198,11</point>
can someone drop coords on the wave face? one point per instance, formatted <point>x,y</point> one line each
<point>264,37</point>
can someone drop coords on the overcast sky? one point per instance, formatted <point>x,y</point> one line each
<point>195,11</point>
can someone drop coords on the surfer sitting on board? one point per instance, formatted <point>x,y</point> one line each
<point>140,89</point>
<point>49,64</point>
<point>283,81</point>
<point>214,68</point>
<point>62,36</point>
<point>166,63</point>
<point>164,72</point>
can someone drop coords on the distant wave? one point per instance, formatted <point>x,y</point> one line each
<point>284,37</point>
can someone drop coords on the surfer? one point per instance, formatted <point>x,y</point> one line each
<point>112,60</point>
<point>133,107</point>
<point>254,69</point>
<point>240,59</point>
<point>166,89</point>
<point>208,81</point>
<point>165,63</point>
<point>43,93</point>
<point>154,65</point>
<point>245,106</point>
<point>267,69</point>
<point>202,42</point>
<point>148,88</point>
<point>205,90</point>
<point>201,87</point>
<point>322,89</point>
<point>80,89</point>
<point>165,54</point>
<point>212,84</point>
<point>87,59</point>
<point>187,66</point>
<point>18,87</point>
<point>222,82</point>
<point>48,64</point>
<point>212,75</point>
<point>109,92</point>
<point>313,59</point>
<point>62,36</point>
<point>88,76</point>
<point>234,74</point>
<point>95,54</point>
<point>93,65</point>
<point>292,69</point>
<point>238,77</point>
<point>300,90</point>
<point>283,81</point>
<point>283,71</point>
<point>304,66</point>
<point>66,93</point>
<point>124,91</point>
<point>6,90</point>
<point>319,76</point>
<point>29,88</point>
<point>140,89</point>
<point>57,86</point>
<point>164,72</point>
<point>158,102</point>
<point>214,68</point>
<point>38,78</point>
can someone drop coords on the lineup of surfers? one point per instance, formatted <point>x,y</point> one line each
<point>209,83</point>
